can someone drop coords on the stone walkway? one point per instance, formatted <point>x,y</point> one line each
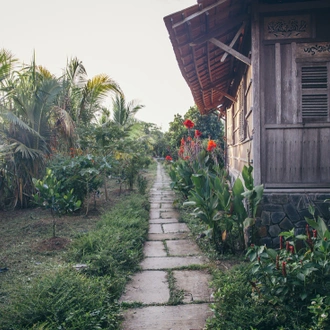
<point>168,274</point>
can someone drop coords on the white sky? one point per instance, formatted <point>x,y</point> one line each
<point>125,39</point>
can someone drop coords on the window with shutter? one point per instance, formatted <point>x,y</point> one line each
<point>315,92</point>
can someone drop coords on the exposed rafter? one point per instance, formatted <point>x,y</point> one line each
<point>226,26</point>
<point>198,13</point>
<point>231,51</point>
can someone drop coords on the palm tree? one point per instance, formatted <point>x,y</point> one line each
<point>123,113</point>
<point>26,129</point>
<point>93,93</point>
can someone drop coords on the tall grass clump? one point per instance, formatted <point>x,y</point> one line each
<point>116,246</point>
<point>64,299</point>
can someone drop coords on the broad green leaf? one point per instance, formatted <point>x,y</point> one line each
<point>272,253</point>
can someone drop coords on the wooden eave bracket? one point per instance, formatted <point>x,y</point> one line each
<point>239,32</point>
<point>231,51</point>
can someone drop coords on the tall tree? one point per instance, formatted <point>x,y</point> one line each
<point>26,130</point>
<point>123,112</point>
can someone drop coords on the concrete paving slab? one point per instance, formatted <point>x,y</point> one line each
<point>165,214</point>
<point>195,284</point>
<point>171,262</point>
<point>175,227</point>
<point>154,214</point>
<point>168,236</point>
<point>163,220</point>
<point>154,249</point>
<point>154,205</point>
<point>183,247</point>
<point>181,317</point>
<point>148,287</point>
<point>167,205</point>
<point>155,228</point>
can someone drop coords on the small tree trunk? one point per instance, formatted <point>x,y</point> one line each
<point>105,187</point>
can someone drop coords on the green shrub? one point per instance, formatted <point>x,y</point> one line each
<point>65,299</point>
<point>234,307</point>
<point>296,277</point>
<point>80,173</point>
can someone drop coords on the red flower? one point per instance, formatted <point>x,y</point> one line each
<point>186,158</point>
<point>183,141</point>
<point>292,249</point>
<point>188,123</point>
<point>197,133</point>
<point>283,268</point>
<point>314,233</point>
<point>287,246</point>
<point>168,158</point>
<point>211,145</point>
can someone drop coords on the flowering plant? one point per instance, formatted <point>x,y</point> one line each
<point>294,275</point>
<point>211,145</point>
<point>188,123</point>
<point>198,133</point>
<point>168,158</point>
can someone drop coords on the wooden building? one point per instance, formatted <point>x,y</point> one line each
<point>264,66</point>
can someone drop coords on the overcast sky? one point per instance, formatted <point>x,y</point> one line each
<point>125,39</point>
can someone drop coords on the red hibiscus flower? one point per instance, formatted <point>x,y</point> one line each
<point>168,158</point>
<point>197,133</point>
<point>211,145</point>
<point>188,123</point>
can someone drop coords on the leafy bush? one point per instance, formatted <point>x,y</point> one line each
<point>222,207</point>
<point>297,277</point>
<point>234,307</point>
<point>51,195</point>
<point>80,173</point>
<point>142,184</point>
<point>65,299</point>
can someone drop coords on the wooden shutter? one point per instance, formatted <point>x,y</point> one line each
<point>314,85</point>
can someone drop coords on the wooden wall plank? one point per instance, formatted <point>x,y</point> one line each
<point>278,82</point>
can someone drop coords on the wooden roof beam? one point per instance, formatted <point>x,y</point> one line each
<point>239,32</point>
<point>198,13</point>
<point>222,29</point>
<point>231,51</point>
<point>273,8</point>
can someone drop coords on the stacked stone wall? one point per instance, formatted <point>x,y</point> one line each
<point>282,212</point>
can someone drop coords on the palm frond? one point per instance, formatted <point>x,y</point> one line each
<point>28,153</point>
<point>12,118</point>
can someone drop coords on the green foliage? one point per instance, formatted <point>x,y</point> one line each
<point>180,174</point>
<point>234,307</point>
<point>217,204</point>
<point>128,164</point>
<point>297,277</point>
<point>142,183</point>
<point>52,195</point>
<point>115,248</point>
<point>65,299</point>
<point>80,173</point>
<point>209,125</point>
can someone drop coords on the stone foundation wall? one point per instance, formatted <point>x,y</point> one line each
<point>282,212</point>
